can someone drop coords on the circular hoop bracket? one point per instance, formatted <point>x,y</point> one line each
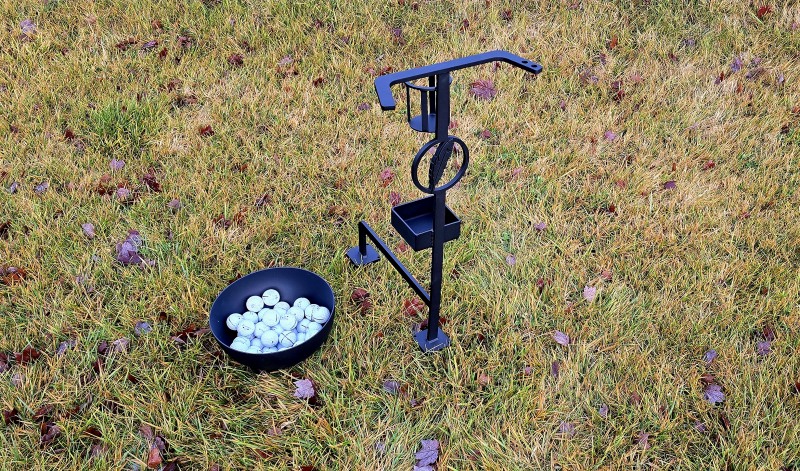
<point>439,161</point>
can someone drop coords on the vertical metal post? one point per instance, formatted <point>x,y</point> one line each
<point>437,260</point>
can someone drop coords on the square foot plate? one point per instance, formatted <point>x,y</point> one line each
<point>355,256</point>
<point>434,345</point>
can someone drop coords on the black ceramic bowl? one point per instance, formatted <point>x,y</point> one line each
<point>291,283</point>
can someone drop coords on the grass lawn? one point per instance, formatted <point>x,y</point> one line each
<point>640,196</point>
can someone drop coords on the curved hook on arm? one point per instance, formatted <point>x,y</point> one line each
<point>383,84</point>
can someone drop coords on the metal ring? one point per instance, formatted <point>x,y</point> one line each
<point>421,153</point>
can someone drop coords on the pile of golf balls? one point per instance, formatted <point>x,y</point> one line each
<point>271,325</point>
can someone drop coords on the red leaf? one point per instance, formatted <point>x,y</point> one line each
<point>11,416</point>
<point>484,379</point>
<point>27,355</point>
<point>763,11</point>
<point>5,228</point>
<point>387,175</point>
<point>308,468</point>
<point>49,432</point>
<point>709,165</point>
<point>69,134</point>
<point>402,247</point>
<point>483,89</point>
<point>394,198</point>
<point>613,42</point>
<point>206,130</point>
<point>149,179</point>
<point>125,44</point>
<point>413,307</point>
<point>236,60</point>
<point>162,54</point>
<point>318,82</point>
<point>359,295</point>
<point>43,413</point>
<point>154,457</point>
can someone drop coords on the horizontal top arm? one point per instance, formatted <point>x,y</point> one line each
<point>383,84</point>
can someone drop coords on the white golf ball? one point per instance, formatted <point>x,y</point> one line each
<point>270,338</point>
<point>250,316</point>
<point>271,318</point>
<point>240,344</point>
<point>302,327</point>
<point>301,337</point>
<point>302,303</point>
<point>233,320</point>
<point>253,349</point>
<point>297,313</point>
<point>269,349</point>
<point>282,306</point>
<point>246,328</point>
<point>256,342</point>
<point>260,329</point>
<point>254,303</point>
<point>287,339</point>
<point>263,313</point>
<point>309,311</point>
<point>271,297</point>
<point>321,315</point>
<point>313,328</point>
<point>288,321</point>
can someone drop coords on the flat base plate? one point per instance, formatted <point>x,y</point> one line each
<point>434,345</point>
<point>355,256</point>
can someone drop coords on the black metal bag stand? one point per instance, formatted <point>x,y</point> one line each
<point>428,222</point>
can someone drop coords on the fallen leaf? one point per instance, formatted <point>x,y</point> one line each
<point>174,205</point>
<point>603,410</point>
<point>763,11</point>
<point>763,348</point>
<point>88,229</point>
<point>567,428</point>
<point>642,439</point>
<point>713,394</point>
<point>394,198</point>
<point>64,346</point>
<point>43,413</point>
<point>486,134</point>
<point>11,416</point>
<point>128,250</point>
<point>41,187</point>
<point>428,454</point>
<point>125,44</point>
<point>358,295</point>
<point>387,175</point>
<point>391,386</point>
<point>364,106</point>
<point>28,27</point>
<point>154,457</point>
<point>120,345</point>
<point>304,389</point>
<point>49,432</point>
<point>413,307</point>
<point>736,65</point>
<point>483,379</point>
<point>5,228</point>
<point>511,260</point>
<point>13,188</point>
<point>205,130</point>
<point>555,368</point>
<point>540,226</point>
<point>483,89</point>
<point>27,355</point>
<point>612,43</point>
<point>141,328</point>
<point>610,135</point>
<point>561,338</point>
<point>605,274</point>
<point>149,179</point>
<point>670,185</point>
<point>589,293</point>
<point>236,60</point>
<point>710,355</point>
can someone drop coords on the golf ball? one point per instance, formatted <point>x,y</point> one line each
<point>321,315</point>
<point>254,303</point>
<point>271,297</point>
<point>246,328</point>
<point>271,318</point>
<point>269,349</point>
<point>313,328</point>
<point>288,321</point>
<point>287,339</point>
<point>256,342</point>
<point>270,338</point>
<point>260,329</point>
<point>240,344</point>
<point>253,349</point>
<point>309,311</point>
<point>233,320</point>
<point>250,316</point>
<point>301,337</point>
<point>302,303</point>
<point>282,306</point>
<point>302,327</point>
<point>297,313</point>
